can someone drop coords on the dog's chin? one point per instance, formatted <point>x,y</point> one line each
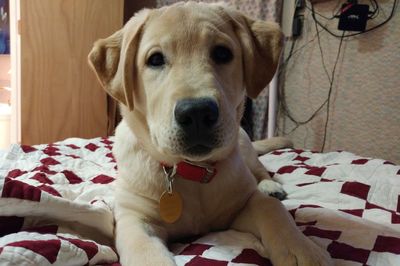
<point>206,153</point>
<point>179,153</point>
<point>198,152</point>
<point>195,153</point>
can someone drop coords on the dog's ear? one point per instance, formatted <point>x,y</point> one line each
<point>261,43</point>
<point>113,59</point>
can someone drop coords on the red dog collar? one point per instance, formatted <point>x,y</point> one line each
<point>191,171</point>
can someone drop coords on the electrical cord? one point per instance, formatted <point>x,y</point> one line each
<point>322,53</point>
<point>290,53</point>
<point>282,102</point>
<point>293,52</point>
<point>281,95</point>
<point>323,16</point>
<point>331,79</point>
<point>330,92</point>
<point>282,98</point>
<point>374,13</point>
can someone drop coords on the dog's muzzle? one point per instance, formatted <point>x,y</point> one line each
<point>197,118</point>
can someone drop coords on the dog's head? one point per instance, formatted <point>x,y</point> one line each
<point>181,73</point>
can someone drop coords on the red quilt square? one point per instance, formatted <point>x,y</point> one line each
<point>329,234</point>
<point>250,256</point>
<point>355,189</point>
<point>200,261</point>
<point>346,252</point>
<point>387,244</point>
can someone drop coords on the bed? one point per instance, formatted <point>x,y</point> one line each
<point>56,207</point>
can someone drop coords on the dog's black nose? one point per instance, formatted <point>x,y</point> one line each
<point>196,116</point>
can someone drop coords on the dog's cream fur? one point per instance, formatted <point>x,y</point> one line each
<point>148,134</point>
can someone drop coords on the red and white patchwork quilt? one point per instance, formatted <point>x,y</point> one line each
<point>56,207</point>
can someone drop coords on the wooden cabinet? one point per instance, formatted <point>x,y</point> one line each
<point>59,95</point>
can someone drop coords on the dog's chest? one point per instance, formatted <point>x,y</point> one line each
<point>214,205</point>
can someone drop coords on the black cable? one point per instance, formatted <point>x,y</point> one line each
<point>290,51</point>
<point>321,52</point>
<point>282,97</point>
<point>283,104</point>
<point>330,92</point>
<point>293,52</point>
<point>337,8</point>
<point>375,13</point>
<point>330,78</point>
<point>323,16</point>
<point>353,34</point>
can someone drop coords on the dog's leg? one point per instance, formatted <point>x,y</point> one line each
<point>139,243</point>
<point>265,182</point>
<point>285,245</point>
<point>250,155</point>
<point>267,145</point>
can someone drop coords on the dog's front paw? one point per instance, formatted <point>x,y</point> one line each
<point>272,188</point>
<point>305,253</point>
<point>146,252</point>
<point>145,260</point>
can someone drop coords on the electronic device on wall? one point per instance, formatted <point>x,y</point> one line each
<point>353,17</point>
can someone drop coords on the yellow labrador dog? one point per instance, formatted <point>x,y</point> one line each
<point>185,167</point>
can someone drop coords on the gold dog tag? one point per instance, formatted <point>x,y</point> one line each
<point>170,206</point>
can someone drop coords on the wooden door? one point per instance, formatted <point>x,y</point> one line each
<point>60,96</point>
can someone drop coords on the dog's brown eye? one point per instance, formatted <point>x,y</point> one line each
<point>221,55</point>
<point>156,60</point>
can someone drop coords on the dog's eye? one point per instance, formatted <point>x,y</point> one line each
<point>156,60</point>
<point>221,55</point>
